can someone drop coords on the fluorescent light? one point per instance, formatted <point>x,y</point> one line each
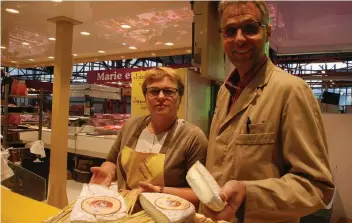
<point>2,47</point>
<point>31,59</point>
<point>14,11</point>
<point>56,0</point>
<point>132,48</point>
<point>147,30</point>
<point>85,33</point>
<point>125,26</point>
<point>189,51</point>
<point>51,57</point>
<point>51,38</point>
<point>13,61</point>
<point>26,44</point>
<point>124,44</point>
<point>101,51</point>
<point>169,44</point>
<point>74,55</point>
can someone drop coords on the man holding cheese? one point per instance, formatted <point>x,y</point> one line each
<point>267,145</point>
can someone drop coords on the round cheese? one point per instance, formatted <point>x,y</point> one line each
<point>101,205</point>
<point>171,203</point>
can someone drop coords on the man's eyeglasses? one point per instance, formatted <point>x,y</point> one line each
<point>248,30</point>
<point>168,92</point>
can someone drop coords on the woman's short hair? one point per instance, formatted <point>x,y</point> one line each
<point>158,73</point>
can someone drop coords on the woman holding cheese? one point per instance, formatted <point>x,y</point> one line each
<point>155,152</point>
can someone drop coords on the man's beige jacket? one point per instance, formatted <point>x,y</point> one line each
<point>282,155</point>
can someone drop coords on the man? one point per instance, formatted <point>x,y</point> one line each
<point>267,145</point>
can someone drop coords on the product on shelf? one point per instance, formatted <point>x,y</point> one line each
<point>166,208</point>
<point>109,123</point>
<point>205,187</point>
<point>18,87</point>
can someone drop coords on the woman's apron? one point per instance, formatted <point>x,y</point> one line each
<point>146,167</point>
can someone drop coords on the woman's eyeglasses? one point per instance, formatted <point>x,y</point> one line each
<point>168,92</point>
<point>248,30</point>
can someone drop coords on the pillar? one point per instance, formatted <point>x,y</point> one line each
<point>60,111</point>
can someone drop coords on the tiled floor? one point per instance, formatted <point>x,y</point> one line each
<point>73,190</point>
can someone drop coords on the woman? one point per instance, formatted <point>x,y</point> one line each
<point>155,152</point>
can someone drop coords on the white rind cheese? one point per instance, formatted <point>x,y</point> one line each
<point>166,208</point>
<point>98,204</point>
<point>205,187</point>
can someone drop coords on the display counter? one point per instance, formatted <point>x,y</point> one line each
<point>83,144</point>
<point>20,209</point>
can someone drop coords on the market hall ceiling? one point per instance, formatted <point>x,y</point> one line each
<point>157,28</point>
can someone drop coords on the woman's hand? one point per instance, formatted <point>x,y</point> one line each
<point>147,187</point>
<point>101,176</point>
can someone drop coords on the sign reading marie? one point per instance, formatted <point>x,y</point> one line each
<point>117,75</point>
<point>114,75</point>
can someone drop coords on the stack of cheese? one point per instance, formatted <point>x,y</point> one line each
<point>166,208</point>
<point>205,187</point>
<point>98,204</point>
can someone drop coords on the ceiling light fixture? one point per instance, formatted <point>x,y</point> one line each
<point>74,55</point>
<point>122,57</point>
<point>31,59</point>
<point>12,61</point>
<point>14,11</point>
<point>26,44</point>
<point>56,0</point>
<point>189,51</point>
<point>2,47</point>
<point>51,57</point>
<point>124,44</point>
<point>147,30</point>
<point>132,48</point>
<point>51,38</point>
<point>153,54</point>
<point>101,51</point>
<point>85,33</point>
<point>125,26</point>
<point>169,44</point>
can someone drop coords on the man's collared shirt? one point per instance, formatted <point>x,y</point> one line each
<point>235,85</point>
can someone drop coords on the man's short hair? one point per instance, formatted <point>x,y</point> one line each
<point>159,73</point>
<point>261,5</point>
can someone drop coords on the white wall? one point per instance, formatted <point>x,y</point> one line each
<point>339,136</point>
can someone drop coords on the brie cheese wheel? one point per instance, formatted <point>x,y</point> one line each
<point>98,204</point>
<point>166,208</point>
<point>205,187</point>
<point>101,205</point>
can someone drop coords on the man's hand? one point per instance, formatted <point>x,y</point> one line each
<point>234,193</point>
<point>147,187</point>
<point>100,176</point>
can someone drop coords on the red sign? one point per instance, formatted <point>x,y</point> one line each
<point>115,75</point>
<point>118,75</point>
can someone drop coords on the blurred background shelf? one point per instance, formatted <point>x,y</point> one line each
<point>23,130</point>
<point>12,88</point>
